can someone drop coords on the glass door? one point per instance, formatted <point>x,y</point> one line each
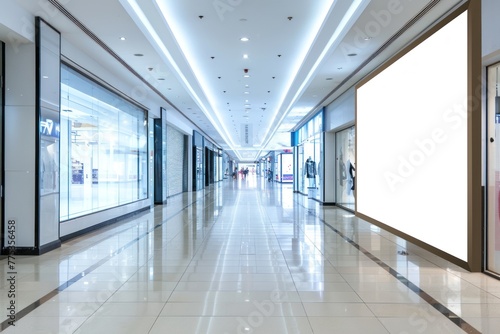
<point>493,222</point>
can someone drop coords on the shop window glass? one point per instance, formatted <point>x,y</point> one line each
<point>493,228</point>
<point>346,168</point>
<point>318,158</point>
<point>104,147</point>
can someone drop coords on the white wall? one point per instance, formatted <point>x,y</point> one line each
<point>341,112</point>
<point>17,26</point>
<point>491,28</point>
<point>117,76</point>
<point>19,154</point>
<point>180,122</point>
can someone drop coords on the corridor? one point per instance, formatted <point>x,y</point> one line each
<point>246,256</point>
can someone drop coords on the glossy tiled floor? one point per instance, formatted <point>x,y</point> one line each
<point>246,257</point>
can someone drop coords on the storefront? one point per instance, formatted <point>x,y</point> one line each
<point>308,142</point>
<point>213,163</point>
<point>104,160</point>
<point>198,162</point>
<point>268,166</point>
<point>87,137</point>
<point>177,161</point>
<point>284,169</point>
<point>345,170</point>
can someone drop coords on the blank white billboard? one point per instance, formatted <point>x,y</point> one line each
<point>411,141</point>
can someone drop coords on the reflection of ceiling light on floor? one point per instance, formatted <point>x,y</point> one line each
<point>348,216</point>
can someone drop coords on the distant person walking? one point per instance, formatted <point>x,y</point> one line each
<point>269,175</point>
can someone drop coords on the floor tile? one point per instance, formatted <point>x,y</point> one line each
<point>245,260</point>
<point>115,324</point>
<point>337,310</point>
<point>132,309</point>
<point>351,325</point>
<point>39,325</point>
<point>228,309</point>
<point>417,324</point>
<point>254,323</point>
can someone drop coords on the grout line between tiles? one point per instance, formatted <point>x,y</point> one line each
<point>454,318</point>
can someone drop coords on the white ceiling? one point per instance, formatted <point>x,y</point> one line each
<point>299,55</point>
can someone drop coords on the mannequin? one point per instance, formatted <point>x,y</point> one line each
<point>342,170</point>
<point>351,173</point>
<point>310,172</point>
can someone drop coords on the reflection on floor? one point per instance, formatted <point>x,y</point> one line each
<point>246,256</point>
<point>348,206</point>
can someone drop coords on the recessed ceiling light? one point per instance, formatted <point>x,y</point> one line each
<point>244,39</point>
<point>246,76</point>
<point>122,38</point>
<point>247,92</point>
<point>245,56</point>
<point>367,38</point>
<point>138,54</point>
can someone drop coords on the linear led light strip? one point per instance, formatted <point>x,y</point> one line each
<point>134,9</point>
<point>175,27</point>
<point>176,30</point>
<point>352,13</point>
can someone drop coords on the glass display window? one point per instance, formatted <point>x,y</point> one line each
<point>309,167</point>
<point>318,158</point>
<point>104,147</point>
<point>308,178</point>
<point>287,167</point>
<point>493,222</point>
<point>346,168</point>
